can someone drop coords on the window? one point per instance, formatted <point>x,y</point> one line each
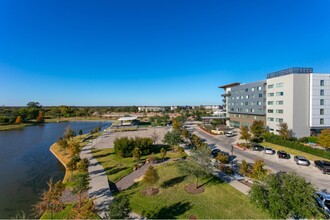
<point>270,111</point>
<point>279,102</point>
<point>270,86</point>
<point>270,94</point>
<point>279,93</point>
<point>252,89</point>
<point>321,121</point>
<point>246,90</point>
<point>321,92</point>
<point>246,103</point>
<point>278,85</point>
<point>279,111</point>
<point>242,97</point>
<point>270,103</point>
<point>322,82</point>
<point>259,88</point>
<point>321,101</point>
<point>251,110</point>
<point>258,103</point>
<point>247,110</point>
<point>321,111</point>
<point>260,95</point>
<point>255,117</point>
<point>279,120</point>
<point>253,96</point>
<point>270,119</point>
<point>247,96</point>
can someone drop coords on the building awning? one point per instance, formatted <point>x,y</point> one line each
<point>230,85</point>
<point>131,118</point>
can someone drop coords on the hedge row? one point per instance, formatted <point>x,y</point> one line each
<point>275,139</point>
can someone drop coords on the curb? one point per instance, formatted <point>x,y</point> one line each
<point>239,147</point>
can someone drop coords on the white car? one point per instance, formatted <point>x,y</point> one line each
<point>323,199</point>
<point>269,150</point>
<point>301,160</point>
<point>229,134</point>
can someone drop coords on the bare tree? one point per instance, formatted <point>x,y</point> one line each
<point>154,137</point>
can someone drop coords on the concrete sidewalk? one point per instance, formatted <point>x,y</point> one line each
<point>99,185</point>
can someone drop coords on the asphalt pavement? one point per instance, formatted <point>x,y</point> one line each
<point>272,162</point>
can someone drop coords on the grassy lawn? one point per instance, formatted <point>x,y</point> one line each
<point>219,200</point>
<point>64,214</point>
<point>14,126</point>
<point>116,168</point>
<point>292,151</point>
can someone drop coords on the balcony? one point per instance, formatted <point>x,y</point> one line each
<point>226,94</point>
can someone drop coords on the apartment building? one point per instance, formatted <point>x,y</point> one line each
<point>296,96</point>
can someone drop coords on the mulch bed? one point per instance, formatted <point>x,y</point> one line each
<point>150,191</point>
<point>191,189</point>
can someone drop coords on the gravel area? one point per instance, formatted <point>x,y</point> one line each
<point>106,141</point>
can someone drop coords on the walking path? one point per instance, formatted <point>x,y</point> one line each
<point>129,180</point>
<point>99,185</point>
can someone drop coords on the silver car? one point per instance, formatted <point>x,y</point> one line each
<point>301,160</point>
<point>269,150</point>
<point>323,199</point>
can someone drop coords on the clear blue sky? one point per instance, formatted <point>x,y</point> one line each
<point>157,52</point>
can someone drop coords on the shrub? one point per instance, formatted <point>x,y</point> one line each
<point>125,146</point>
<point>83,164</point>
<point>275,139</point>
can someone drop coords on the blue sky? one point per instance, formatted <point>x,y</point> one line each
<point>153,52</point>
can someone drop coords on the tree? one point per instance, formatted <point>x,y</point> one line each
<point>72,164</point>
<point>63,143</point>
<point>244,168</point>
<point>50,200</point>
<point>162,153</point>
<point>151,176</point>
<point>80,184</point>
<point>85,211</point>
<point>136,153</point>
<point>222,158</point>
<point>40,117</point>
<point>119,208</point>
<point>286,195</point>
<point>324,138</point>
<point>258,129</point>
<point>80,132</point>
<point>172,138</point>
<point>258,170</point>
<point>33,105</point>
<point>198,165</point>
<point>185,133</point>
<point>245,133</point>
<point>69,132</point>
<point>83,164</point>
<point>19,120</point>
<point>284,131</point>
<point>154,137</point>
<point>74,148</point>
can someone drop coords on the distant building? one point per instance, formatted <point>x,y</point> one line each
<point>151,108</point>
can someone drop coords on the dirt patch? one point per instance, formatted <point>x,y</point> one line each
<point>150,191</point>
<point>69,197</point>
<point>191,188</point>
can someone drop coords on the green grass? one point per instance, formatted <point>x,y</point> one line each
<point>116,168</point>
<point>14,126</point>
<point>60,215</point>
<point>219,200</point>
<point>292,151</point>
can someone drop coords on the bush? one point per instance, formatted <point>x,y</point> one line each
<point>275,139</point>
<point>125,146</point>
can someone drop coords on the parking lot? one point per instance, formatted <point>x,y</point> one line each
<point>272,162</point>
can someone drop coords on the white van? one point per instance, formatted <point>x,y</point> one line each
<point>229,134</point>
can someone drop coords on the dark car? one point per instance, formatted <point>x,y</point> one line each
<point>282,154</point>
<point>323,165</point>
<point>258,147</point>
<point>215,152</point>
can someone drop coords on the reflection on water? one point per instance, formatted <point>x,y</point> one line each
<point>26,163</point>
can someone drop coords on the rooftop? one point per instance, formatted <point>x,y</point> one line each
<point>290,71</point>
<point>230,85</point>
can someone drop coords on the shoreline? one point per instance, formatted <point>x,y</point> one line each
<point>23,125</point>
<point>55,153</point>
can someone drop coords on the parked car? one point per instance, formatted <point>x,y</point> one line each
<point>301,160</point>
<point>323,165</point>
<point>269,150</point>
<point>323,199</point>
<point>229,133</point>
<point>282,154</point>
<point>257,147</point>
<point>215,152</point>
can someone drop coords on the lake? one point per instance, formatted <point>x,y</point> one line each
<point>26,164</point>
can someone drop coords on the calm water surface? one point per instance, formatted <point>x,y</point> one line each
<point>26,163</point>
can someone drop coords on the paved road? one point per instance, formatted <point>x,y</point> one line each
<point>310,173</point>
